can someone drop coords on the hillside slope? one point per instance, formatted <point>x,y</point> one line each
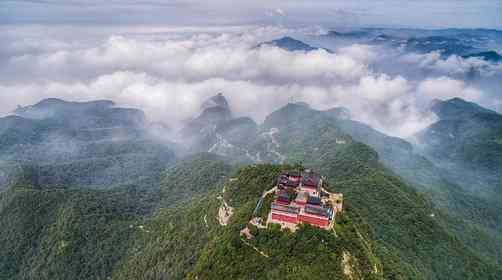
<point>297,133</point>
<point>306,135</point>
<point>467,142</point>
<point>85,144</point>
<point>276,254</point>
<point>73,233</point>
<point>410,239</point>
<point>62,234</point>
<point>371,188</point>
<point>167,225</point>
<point>387,230</point>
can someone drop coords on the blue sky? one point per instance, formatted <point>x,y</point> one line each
<point>383,13</point>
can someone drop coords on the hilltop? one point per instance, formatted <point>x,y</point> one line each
<point>467,141</point>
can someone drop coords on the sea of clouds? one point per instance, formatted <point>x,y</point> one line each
<point>168,72</point>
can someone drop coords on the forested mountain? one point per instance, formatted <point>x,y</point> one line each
<point>135,234</point>
<point>382,242</point>
<point>161,220</point>
<point>278,140</point>
<point>93,144</point>
<point>467,141</point>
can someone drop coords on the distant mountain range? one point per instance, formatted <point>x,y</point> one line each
<point>478,43</point>
<point>486,55</point>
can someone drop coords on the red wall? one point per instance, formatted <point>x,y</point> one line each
<point>284,218</point>
<point>314,221</point>
<point>281,202</point>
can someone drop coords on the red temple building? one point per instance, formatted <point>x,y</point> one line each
<point>301,199</point>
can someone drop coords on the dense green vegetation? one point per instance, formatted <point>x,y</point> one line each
<point>75,233</point>
<point>465,141</point>
<point>408,236</point>
<point>170,240</point>
<point>145,217</point>
<point>65,234</point>
<point>197,174</point>
<point>168,244</point>
<point>307,253</point>
<point>386,224</point>
<point>371,190</point>
<point>462,171</point>
<point>301,128</point>
<point>385,232</point>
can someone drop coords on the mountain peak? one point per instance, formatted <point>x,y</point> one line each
<point>289,44</point>
<point>56,105</point>
<point>214,110</point>
<point>50,101</point>
<point>217,100</point>
<point>457,108</point>
<point>338,113</point>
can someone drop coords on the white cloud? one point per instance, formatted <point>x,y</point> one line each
<point>280,11</point>
<point>453,65</point>
<point>374,100</point>
<point>168,73</point>
<point>361,53</point>
<point>382,88</point>
<point>195,58</point>
<point>446,88</point>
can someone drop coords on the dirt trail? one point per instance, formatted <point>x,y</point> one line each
<point>256,249</point>
<point>347,269</point>
<point>225,211</point>
<point>205,221</point>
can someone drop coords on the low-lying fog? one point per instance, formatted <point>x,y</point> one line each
<point>169,72</point>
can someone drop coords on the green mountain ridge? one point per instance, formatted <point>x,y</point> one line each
<point>299,135</point>
<point>85,144</point>
<point>386,230</point>
<point>89,234</point>
<point>399,219</point>
<point>466,142</point>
